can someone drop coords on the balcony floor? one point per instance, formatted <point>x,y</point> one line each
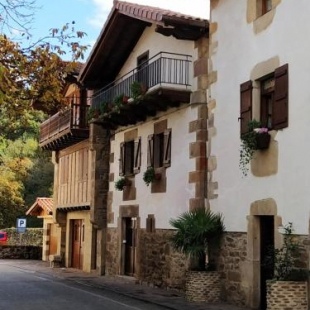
<point>154,101</point>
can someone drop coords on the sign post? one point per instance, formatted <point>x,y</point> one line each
<point>21,225</point>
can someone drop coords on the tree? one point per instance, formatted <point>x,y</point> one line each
<point>26,172</point>
<point>16,15</point>
<point>33,74</point>
<point>32,77</point>
<point>198,232</point>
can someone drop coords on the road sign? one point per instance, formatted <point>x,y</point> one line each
<point>21,225</point>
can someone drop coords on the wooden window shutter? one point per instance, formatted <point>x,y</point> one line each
<point>150,151</point>
<point>167,148</point>
<point>280,107</point>
<point>137,155</point>
<point>245,105</point>
<point>122,159</point>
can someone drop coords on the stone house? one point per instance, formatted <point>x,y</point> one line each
<point>258,70</point>
<point>147,79</point>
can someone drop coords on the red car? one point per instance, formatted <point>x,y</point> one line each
<point>3,236</point>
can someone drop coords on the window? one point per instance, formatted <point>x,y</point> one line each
<point>263,6</point>
<point>273,100</point>
<point>267,99</point>
<point>159,149</point>
<point>130,157</point>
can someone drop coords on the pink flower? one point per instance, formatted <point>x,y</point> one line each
<point>261,130</point>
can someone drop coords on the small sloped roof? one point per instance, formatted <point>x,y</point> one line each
<point>42,206</point>
<point>121,32</point>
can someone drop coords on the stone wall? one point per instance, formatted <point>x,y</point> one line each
<point>20,252</point>
<point>112,258</point>
<point>231,257</point>
<point>159,264</point>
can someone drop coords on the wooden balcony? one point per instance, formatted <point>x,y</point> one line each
<point>160,83</point>
<point>64,128</point>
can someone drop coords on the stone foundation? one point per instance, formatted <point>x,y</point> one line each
<point>159,263</point>
<point>112,258</point>
<point>288,295</point>
<point>20,252</point>
<point>231,261</point>
<point>203,286</point>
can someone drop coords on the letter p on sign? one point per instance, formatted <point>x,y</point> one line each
<point>21,223</point>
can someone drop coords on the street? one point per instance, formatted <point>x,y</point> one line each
<point>26,289</point>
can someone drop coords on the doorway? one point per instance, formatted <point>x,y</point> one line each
<point>78,230</point>
<point>143,69</point>
<point>129,244</point>
<point>266,244</point>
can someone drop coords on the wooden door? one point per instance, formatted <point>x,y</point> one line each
<point>77,243</point>
<point>266,244</point>
<point>130,245</point>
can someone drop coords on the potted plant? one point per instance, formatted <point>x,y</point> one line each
<point>198,235</point>
<point>121,183</point>
<point>289,283</point>
<point>257,138</point>
<point>150,176</point>
<point>93,113</point>
<point>137,89</point>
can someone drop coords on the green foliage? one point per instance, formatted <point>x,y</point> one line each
<point>13,127</point>
<point>197,232</point>
<point>283,259</point>
<point>93,112</point>
<point>25,171</point>
<point>248,146</point>
<point>136,89</point>
<point>149,175</point>
<point>39,180</point>
<point>121,183</point>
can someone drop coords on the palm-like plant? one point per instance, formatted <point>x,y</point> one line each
<point>198,232</point>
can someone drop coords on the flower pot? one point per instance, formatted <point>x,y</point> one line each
<point>262,141</point>
<point>203,286</point>
<point>290,295</point>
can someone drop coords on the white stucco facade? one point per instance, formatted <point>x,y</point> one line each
<point>155,43</point>
<point>175,200</point>
<point>239,48</point>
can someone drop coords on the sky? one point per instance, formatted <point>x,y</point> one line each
<point>90,15</point>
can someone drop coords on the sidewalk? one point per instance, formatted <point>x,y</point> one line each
<point>122,285</point>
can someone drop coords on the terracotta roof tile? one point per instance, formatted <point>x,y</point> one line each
<point>154,14</point>
<point>41,204</point>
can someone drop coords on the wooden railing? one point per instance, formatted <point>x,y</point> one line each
<point>162,69</point>
<point>73,118</point>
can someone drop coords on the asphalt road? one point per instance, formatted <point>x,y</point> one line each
<point>24,290</point>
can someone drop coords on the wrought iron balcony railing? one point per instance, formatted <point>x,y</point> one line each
<point>72,121</point>
<point>164,69</point>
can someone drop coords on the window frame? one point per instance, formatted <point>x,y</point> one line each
<point>130,157</point>
<point>280,101</point>
<point>159,149</point>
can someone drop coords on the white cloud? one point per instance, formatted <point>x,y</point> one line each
<point>102,10</point>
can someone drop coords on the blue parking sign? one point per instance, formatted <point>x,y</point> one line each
<point>21,225</point>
